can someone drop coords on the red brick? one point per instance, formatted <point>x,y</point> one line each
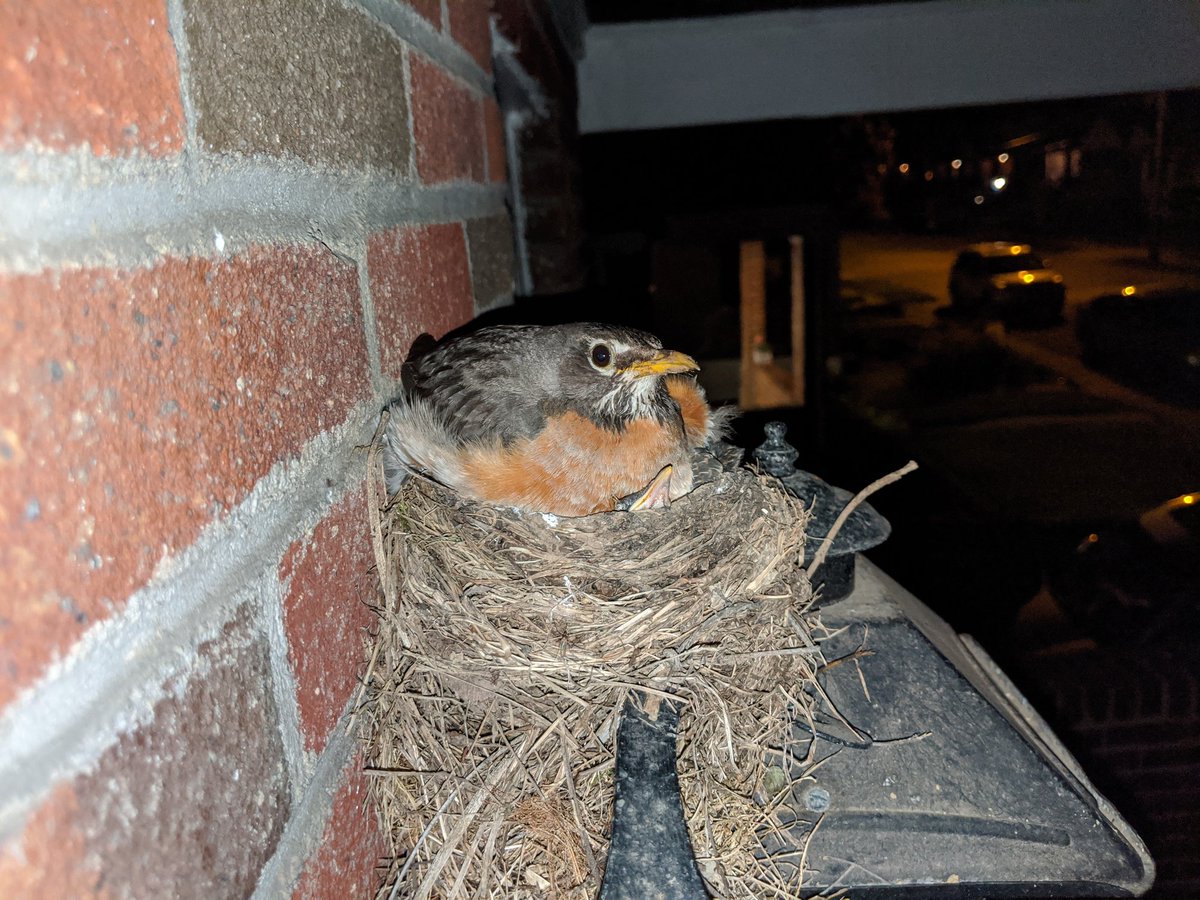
<point>447,126</point>
<point>430,9</point>
<point>138,405</point>
<point>469,26</point>
<point>314,80</point>
<point>347,860</point>
<point>89,73</point>
<point>420,281</point>
<point>491,245</point>
<point>191,804</point>
<point>330,582</point>
<point>48,858</point>
<point>493,127</point>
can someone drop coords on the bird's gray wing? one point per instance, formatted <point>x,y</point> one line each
<point>482,385</point>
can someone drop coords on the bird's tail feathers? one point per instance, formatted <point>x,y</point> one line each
<point>416,440</point>
<point>395,472</point>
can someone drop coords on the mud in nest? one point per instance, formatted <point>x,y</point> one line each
<point>508,644</point>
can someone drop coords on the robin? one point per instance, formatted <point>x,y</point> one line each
<point>565,419</point>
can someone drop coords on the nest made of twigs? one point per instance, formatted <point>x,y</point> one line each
<point>508,644</point>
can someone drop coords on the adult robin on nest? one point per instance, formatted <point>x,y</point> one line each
<point>564,419</point>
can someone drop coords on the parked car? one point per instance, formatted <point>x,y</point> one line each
<point>1149,337</point>
<point>1008,282</point>
<point>1138,581</point>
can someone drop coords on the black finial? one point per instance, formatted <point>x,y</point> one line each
<point>863,529</point>
<point>775,455</point>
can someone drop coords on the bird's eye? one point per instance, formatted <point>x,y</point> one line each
<point>601,356</point>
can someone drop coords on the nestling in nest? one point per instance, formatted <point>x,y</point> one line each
<point>510,638</point>
<point>565,419</point>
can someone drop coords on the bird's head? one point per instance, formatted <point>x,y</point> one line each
<point>613,374</point>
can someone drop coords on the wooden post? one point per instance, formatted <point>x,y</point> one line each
<point>798,333</point>
<point>753,290</point>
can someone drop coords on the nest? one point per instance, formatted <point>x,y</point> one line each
<point>508,645</point>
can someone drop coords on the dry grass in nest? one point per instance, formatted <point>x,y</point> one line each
<point>508,645</point>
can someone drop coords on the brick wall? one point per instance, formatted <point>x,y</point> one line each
<point>221,225</point>
<point>1133,720</point>
<point>535,79</point>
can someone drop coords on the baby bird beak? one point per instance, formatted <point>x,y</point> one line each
<point>665,362</point>
<point>655,495</point>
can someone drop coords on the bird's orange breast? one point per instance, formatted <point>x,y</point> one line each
<point>573,467</point>
<point>693,407</point>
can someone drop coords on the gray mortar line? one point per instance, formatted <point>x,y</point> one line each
<point>370,326</point>
<point>71,211</point>
<point>406,66</point>
<point>413,28</point>
<point>283,683</point>
<point>513,122</point>
<point>505,53</point>
<point>466,232</point>
<point>306,824</point>
<point>449,203</point>
<point>177,26</point>
<point>121,667</point>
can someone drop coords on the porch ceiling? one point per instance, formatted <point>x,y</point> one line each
<point>814,62</point>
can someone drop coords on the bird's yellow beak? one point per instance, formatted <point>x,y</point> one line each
<point>665,362</point>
